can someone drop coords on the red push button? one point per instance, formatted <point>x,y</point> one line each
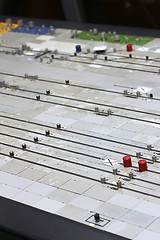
<point>142,165</point>
<point>129,47</point>
<point>127,161</point>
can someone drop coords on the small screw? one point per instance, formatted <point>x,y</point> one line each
<point>35,139</point>
<point>24,146</point>
<point>11,154</point>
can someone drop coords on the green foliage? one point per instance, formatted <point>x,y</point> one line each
<point>86,35</point>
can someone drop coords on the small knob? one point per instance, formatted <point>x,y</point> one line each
<point>96,217</point>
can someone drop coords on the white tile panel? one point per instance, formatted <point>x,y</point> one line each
<point>149,208</point>
<point>86,203</point>
<point>40,189</point>
<point>124,200</point>
<point>148,235</point>
<point>49,205</point>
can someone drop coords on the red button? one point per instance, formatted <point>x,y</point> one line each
<point>142,165</point>
<point>129,47</point>
<point>127,161</point>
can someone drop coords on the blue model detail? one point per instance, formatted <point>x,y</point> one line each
<point>35,30</point>
<point>78,48</point>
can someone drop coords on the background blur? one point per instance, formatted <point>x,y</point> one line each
<point>135,13</point>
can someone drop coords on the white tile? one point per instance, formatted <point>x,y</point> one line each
<point>77,185</point>
<point>55,178</point>
<point>111,210</point>
<point>33,173</point>
<point>8,191</point>
<point>124,200</point>
<point>4,176</point>
<point>148,235</point>
<point>14,181</point>
<point>18,182</point>
<point>86,203</point>
<point>62,196</point>
<point>72,212</point>
<point>40,188</point>
<point>124,229</point>
<point>155,226</point>
<point>137,218</point>
<point>49,205</point>
<point>149,208</point>
<point>14,166</point>
<point>45,37</point>
<point>99,192</point>
<point>27,198</point>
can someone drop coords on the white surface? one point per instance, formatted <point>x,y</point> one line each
<point>41,189</point>
<point>124,201</point>
<point>148,235</point>
<point>86,203</point>
<point>148,208</point>
<point>49,205</point>
<point>99,48</point>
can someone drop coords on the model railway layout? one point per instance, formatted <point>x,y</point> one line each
<point>80,126</point>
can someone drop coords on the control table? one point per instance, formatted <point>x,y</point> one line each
<point>79,132</point>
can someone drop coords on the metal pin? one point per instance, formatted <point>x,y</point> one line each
<point>48,92</point>
<point>103,179</point>
<point>11,154</point>
<point>24,146</point>
<point>138,94</point>
<point>26,75</point>
<point>58,126</point>
<point>35,139</point>
<point>109,111</point>
<point>131,175</point>
<point>67,82</point>
<point>119,184</point>
<point>125,92</point>
<point>138,154</point>
<point>115,171</point>
<point>38,97</point>
<point>96,109</point>
<point>47,132</point>
<point>154,158</point>
<point>149,147</point>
